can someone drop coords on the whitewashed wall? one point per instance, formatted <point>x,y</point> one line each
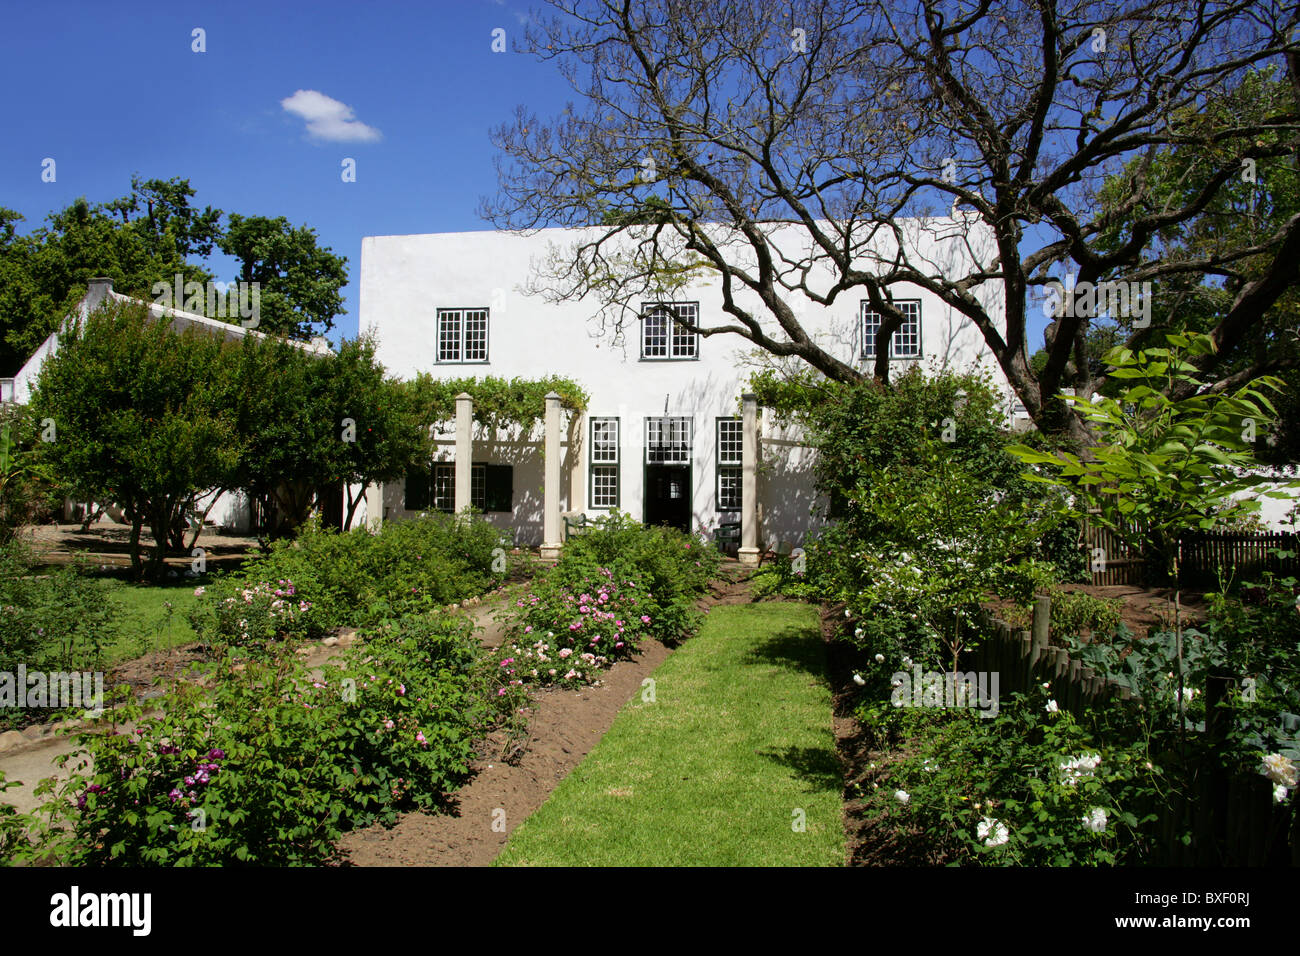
<point>406,279</point>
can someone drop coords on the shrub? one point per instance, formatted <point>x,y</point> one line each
<point>269,766</point>
<point>13,837</point>
<point>255,615</point>
<point>918,550</point>
<point>666,560</point>
<point>357,578</point>
<point>612,586</point>
<point>1078,613</point>
<point>58,620</point>
<point>1026,788</point>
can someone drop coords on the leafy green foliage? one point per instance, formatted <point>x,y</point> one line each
<point>59,620</point>
<point>613,585</point>
<point>1241,213</point>
<point>1079,613</point>
<point>140,417</point>
<point>1023,788</point>
<point>269,766</point>
<point>498,402</point>
<point>927,547</point>
<point>151,235</point>
<point>668,563</point>
<point>928,510</point>
<point>1165,465</point>
<point>300,282</point>
<point>308,421</point>
<point>25,482</point>
<point>353,578</point>
<point>136,241</point>
<point>13,826</point>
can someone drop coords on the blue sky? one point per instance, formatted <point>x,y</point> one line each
<point>261,122</point>
<point>112,89</point>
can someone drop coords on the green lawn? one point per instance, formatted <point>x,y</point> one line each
<point>735,751</point>
<point>146,625</point>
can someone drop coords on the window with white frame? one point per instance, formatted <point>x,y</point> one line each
<point>906,341</point>
<point>668,441</point>
<point>491,487</point>
<point>663,336</point>
<point>731,438</point>
<point>604,463</point>
<point>442,491</point>
<point>462,335</point>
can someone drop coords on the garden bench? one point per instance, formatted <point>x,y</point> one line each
<point>575,522</point>
<point>727,535</point>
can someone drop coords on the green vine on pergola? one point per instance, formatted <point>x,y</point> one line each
<point>498,402</point>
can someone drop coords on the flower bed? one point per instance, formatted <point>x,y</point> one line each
<point>269,765</point>
<point>322,580</point>
<point>618,583</point>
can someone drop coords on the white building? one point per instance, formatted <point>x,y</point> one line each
<point>232,510</point>
<point>663,438</point>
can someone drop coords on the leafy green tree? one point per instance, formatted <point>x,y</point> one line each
<point>300,282</point>
<point>136,240</point>
<point>139,417</point>
<point>309,421</point>
<point>1166,464</point>
<point>389,433</point>
<point>24,482</point>
<point>151,235</point>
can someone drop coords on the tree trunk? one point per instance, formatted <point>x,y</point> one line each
<point>353,503</point>
<point>137,523</point>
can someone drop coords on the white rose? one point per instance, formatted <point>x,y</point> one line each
<point>1095,820</point>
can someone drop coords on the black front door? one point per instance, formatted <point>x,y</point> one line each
<point>668,495</point>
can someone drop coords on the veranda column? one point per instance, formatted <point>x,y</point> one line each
<point>551,494</point>
<point>464,449</point>
<point>748,553</point>
<point>577,452</point>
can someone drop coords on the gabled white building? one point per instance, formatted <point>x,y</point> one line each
<point>232,510</point>
<point>664,437</point>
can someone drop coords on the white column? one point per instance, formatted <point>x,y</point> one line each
<point>464,449</point>
<point>748,553</point>
<point>551,494</point>
<point>577,452</point>
<point>375,506</point>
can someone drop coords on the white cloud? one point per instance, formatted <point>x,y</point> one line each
<point>328,119</point>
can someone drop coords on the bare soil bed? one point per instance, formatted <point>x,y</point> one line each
<point>1143,610</point>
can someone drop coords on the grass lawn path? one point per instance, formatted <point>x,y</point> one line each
<point>732,764</point>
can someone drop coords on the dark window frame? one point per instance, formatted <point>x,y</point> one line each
<point>461,335</point>
<point>616,465</point>
<point>869,338</point>
<point>669,310</point>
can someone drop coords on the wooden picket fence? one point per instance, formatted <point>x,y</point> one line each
<point>1202,556</point>
<point>1232,818</point>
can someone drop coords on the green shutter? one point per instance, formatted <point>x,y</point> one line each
<point>499,487</point>
<point>417,490</point>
